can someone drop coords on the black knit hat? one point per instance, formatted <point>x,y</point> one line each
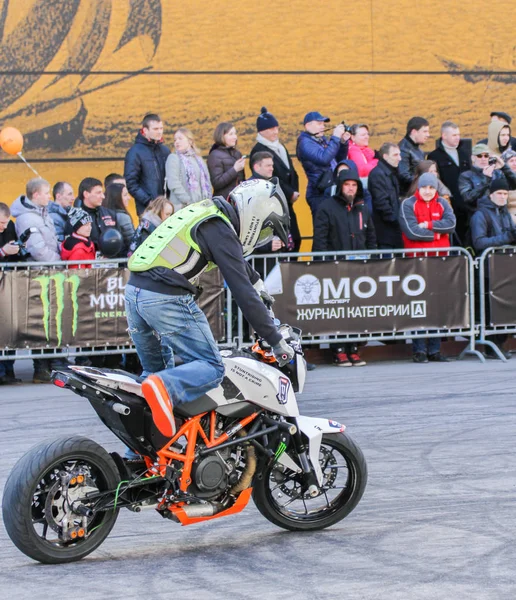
<point>501,115</point>
<point>78,217</point>
<point>500,183</point>
<point>266,121</point>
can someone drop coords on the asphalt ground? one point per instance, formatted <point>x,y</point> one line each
<point>437,520</point>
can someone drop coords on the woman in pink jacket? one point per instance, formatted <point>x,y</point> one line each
<point>359,151</point>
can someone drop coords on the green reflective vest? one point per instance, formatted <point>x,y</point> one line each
<point>173,244</point>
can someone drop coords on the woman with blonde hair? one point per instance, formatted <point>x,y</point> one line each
<point>156,212</point>
<point>187,177</point>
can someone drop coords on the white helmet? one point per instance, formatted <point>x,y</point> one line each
<point>263,212</point>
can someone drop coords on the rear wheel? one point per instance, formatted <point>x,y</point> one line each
<point>45,508</point>
<point>279,494</point>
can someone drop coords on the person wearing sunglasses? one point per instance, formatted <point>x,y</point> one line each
<point>474,184</point>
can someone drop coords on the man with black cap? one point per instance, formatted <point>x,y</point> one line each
<point>343,222</point>
<point>474,184</point>
<point>320,155</point>
<point>498,115</point>
<point>492,226</point>
<point>267,140</point>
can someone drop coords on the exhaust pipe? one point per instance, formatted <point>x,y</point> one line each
<point>194,511</point>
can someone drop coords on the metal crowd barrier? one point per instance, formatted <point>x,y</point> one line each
<point>50,352</point>
<point>269,261</point>
<point>235,330</point>
<point>486,325</point>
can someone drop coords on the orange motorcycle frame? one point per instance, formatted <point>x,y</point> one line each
<point>192,430</point>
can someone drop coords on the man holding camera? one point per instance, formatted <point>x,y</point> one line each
<point>320,155</point>
<point>474,184</point>
<point>9,249</point>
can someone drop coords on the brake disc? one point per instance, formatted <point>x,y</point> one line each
<point>326,460</point>
<point>60,499</point>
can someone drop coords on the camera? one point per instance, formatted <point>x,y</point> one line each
<point>21,241</point>
<point>347,128</point>
<point>492,160</point>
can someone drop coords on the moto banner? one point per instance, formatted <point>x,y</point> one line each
<point>374,296</point>
<point>501,289</point>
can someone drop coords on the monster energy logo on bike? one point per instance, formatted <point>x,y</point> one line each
<point>59,280</point>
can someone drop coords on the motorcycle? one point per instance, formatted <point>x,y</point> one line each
<point>245,438</point>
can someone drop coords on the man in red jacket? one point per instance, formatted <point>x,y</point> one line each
<point>426,221</point>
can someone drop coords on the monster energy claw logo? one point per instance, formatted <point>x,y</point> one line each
<point>59,280</point>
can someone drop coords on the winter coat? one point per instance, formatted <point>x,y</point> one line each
<point>289,183</point>
<point>59,216</point>
<point>317,155</point>
<point>6,236</point>
<point>511,204</point>
<point>449,172</point>
<point>125,226</point>
<point>102,219</point>
<point>148,223</point>
<point>493,132</point>
<point>144,170</point>
<point>474,185</point>
<point>340,226</point>
<point>384,186</point>
<point>76,247</point>
<point>42,243</point>
<point>363,157</point>
<point>224,178</point>
<point>437,213</point>
<point>491,225</point>
<point>411,154</point>
<point>177,184</point>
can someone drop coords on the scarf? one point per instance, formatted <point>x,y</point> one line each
<point>418,196</point>
<point>276,147</point>
<point>453,153</point>
<point>192,182</point>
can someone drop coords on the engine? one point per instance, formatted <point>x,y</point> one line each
<point>213,474</point>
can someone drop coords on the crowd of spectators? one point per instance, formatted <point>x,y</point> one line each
<point>360,198</point>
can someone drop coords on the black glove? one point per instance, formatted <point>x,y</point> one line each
<point>283,353</point>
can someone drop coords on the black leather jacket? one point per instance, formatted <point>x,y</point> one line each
<point>411,154</point>
<point>474,185</point>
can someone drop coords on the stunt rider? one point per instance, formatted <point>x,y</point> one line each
<point>160,295</point>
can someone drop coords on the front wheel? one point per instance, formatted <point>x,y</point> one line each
<point>279,495</point>
<point>45,508</point>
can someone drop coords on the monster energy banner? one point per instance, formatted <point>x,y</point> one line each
<point>42,308</point>
<point>501,289</point>
<point>374,296</point>
<point>49,308</point>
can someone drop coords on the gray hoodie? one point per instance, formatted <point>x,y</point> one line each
<point>42,243</point>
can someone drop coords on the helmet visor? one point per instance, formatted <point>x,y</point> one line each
<point>266,235</point>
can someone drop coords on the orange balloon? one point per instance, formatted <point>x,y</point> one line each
<point>11,140</point>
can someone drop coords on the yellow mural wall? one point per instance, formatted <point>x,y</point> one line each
<point>76,76</point>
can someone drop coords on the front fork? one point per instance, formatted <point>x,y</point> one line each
<point>308,475</point>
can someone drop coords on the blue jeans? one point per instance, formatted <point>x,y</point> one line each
<point>162,326</point>
<point>6,367</point>
<point>426,345</point>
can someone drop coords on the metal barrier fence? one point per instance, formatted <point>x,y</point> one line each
<point>497,295</point>
<point>264,264</point>
<point>235,330</point>
<point>48,310</point>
